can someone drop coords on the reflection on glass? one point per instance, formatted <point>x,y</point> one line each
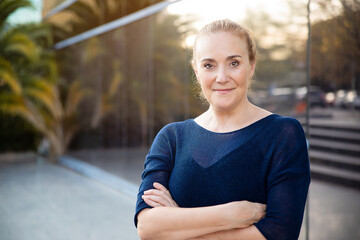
<point>50,5</point>
<point>138,78</point>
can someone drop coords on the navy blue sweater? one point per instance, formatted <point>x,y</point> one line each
<point>265,162</point>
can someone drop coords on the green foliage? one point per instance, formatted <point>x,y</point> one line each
<point>7,7</point>
<point>28,80</point>
<point>279,47</point>
<point>335,47</point>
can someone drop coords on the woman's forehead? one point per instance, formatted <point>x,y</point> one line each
<point>220,43</point>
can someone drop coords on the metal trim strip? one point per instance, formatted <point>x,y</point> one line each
<point>115,24</point>
<point>59,8</point>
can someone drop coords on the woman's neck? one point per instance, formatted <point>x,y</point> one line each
<point>226,121</point>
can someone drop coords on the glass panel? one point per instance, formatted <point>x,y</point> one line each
<point>83,15</point>
<point>49,5</point>
<point>335,113</point>
<point>136,79</point>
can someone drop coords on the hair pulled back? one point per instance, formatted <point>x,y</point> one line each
<point>226,25</point>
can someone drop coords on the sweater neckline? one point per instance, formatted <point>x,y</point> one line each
<point>261,120</point>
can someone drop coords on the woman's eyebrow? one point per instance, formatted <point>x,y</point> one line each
<point>227,58</point>
<point>207,60</point>
<point>234,56</point>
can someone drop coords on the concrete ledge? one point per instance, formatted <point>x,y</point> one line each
<point>18,157</point>
<point>117,183</point>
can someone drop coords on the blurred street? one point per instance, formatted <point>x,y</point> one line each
<point>47,201</point>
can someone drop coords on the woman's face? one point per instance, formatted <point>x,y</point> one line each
<point>223,69</point>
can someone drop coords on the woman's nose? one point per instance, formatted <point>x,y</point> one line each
<point>222,75</point>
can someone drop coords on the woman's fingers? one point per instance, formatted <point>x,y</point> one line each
<point>161,195</point>
<point>155,192</point>
<point>164,190</point>
<point>159,199</point>
<point>161,187</point>
<point>151,203</point>
<point>159,190</point>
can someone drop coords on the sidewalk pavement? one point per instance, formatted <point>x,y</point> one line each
<point>334,211</point>
<point>50,202</point>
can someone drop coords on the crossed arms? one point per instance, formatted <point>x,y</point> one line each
<point>166,220</point>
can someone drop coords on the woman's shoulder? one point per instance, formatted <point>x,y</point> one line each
<point>285,121</point>
<point>176,127</point>
<point>284,126</point>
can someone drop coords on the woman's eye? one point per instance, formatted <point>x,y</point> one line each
<point>208,65</point>
<point>235,64</point>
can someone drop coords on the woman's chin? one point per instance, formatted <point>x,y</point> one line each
<point>223,107</point>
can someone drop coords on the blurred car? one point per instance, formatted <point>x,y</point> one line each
<point>357,102</point>
<point>350,98</point>
<point>340,98</point>
<point>317,97</point>
<point>330,98</point>
<point>345,98</point>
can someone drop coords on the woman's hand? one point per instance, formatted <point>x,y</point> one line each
<point>159,197</point>
<point>244,213</point>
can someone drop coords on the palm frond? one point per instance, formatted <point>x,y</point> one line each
<point>15,105</point>
<point>46,93</point>
<point>76,93</point>
<point>7,7</point>
<point>44,99</point>
<point>35,117</point>
<point>85,13</point>
<point>8,76</point>
<point>12,104</point>
<point>19,44</point>
<point>38,32</point>
<point>59,32</point>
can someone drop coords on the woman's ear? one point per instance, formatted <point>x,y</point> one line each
<point>252,70</point>
<point>193,64</point>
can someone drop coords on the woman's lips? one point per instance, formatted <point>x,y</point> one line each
<point>223,91</point>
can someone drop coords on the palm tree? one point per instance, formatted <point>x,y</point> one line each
<point>28,77</point>
<point>28,82</point>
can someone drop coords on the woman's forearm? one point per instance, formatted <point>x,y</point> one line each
<point>186,223</point>
<point>181,223</point>
<point>249,233</point>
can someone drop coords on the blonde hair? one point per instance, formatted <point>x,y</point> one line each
<point>226,25</point>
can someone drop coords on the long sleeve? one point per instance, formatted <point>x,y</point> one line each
<point>266,162</point>
<point>287,183</point>
<point>157,167</point>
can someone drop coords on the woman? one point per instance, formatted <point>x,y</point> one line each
<point>210,177</point>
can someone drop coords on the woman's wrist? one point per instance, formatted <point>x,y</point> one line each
<point>231,215</point>
<point>242,214</point>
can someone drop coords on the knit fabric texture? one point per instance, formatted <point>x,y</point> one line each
<point>265,162</point>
